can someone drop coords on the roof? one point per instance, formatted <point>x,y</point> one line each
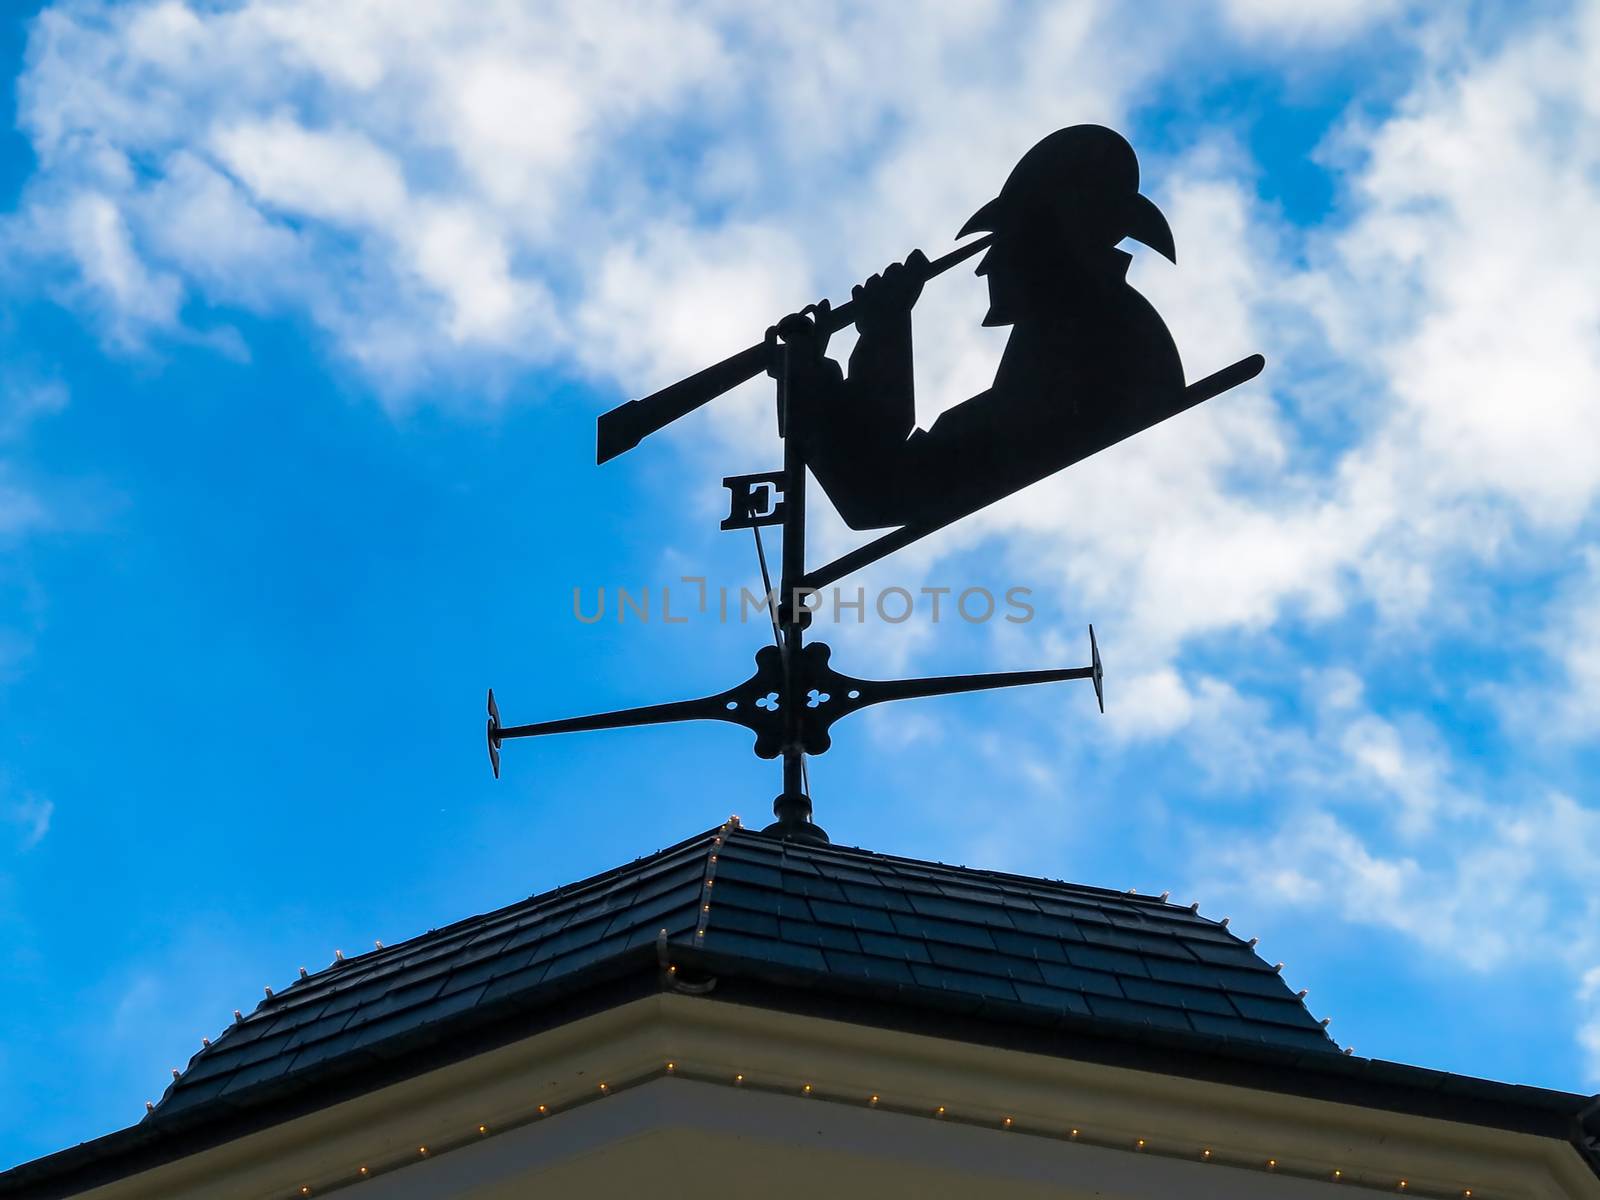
<point>850,914</point>
<point>1047,966</point>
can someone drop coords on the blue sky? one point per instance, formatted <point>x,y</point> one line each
<point>307,315</point>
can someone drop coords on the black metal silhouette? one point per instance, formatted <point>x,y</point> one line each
<point>1089,363</point>
<point>759,702</point>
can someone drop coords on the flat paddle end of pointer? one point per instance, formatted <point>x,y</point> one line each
<point>1098,677</point>
<point>492,733</point>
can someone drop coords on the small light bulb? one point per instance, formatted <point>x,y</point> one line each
<point>1205,1154</point>
<point>1141,1143</point>
<point>672,1066</point>
<point>362,1171</point>
<point>543,1109</point>
<point>603,1087</point>
<point>1007,1122</point>
<point>939,1110</point>
<point>806,1089</point>
<point>483,1129</point>
<point>873,1100</point>
<point>738,1078</point>
<point>1074,1133</point>
<point>305,1191</point>
<point>1272,1164</point>
<point>422,1149</point>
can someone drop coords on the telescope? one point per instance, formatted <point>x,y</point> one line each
<point>625,426</point>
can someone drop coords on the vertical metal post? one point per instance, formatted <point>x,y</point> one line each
<point>793,806</point>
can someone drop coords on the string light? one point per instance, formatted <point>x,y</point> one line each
<point>874,1099</point>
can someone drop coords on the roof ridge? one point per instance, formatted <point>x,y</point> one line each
<point>1033,881</point>
<point>302,989</point>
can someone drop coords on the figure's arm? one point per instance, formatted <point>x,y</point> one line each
<point>880,386</point>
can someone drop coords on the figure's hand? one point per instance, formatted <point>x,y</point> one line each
<point>883,301</point>
<point>806,333</point>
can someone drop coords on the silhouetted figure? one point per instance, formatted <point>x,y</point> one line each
<point>1089,361</point>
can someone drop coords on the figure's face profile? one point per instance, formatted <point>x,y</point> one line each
<point>1000,268</point>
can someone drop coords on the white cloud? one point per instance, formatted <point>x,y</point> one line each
<point>31,817</point>
<point>1507,886</point>
<point>1294,21</point>
<point>1589,1029</point>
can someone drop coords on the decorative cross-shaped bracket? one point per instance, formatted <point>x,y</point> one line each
<point>757,703</point>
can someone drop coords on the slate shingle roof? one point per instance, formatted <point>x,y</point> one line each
<point>932,933</point>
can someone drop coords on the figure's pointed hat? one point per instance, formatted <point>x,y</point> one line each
<point>1087,178</point>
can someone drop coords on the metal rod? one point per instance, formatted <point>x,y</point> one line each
<point>704,709</point>
<point>877,691</point>
<point>793,567</point>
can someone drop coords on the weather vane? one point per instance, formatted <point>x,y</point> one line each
<point>1088,363</point>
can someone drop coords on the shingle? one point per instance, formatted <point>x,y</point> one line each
<point>743,871</point>
<point>852,916</point>
<point>1144,1014</point>
<point>901,949</point>
<point>913,925</point>
<point>809,933</point>
<point>1056,999</point>
<point>879,970</point>
<point>1101,983</point>
<point>1152,992</point>
<point>963,981</point>
<point>766,949</point>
